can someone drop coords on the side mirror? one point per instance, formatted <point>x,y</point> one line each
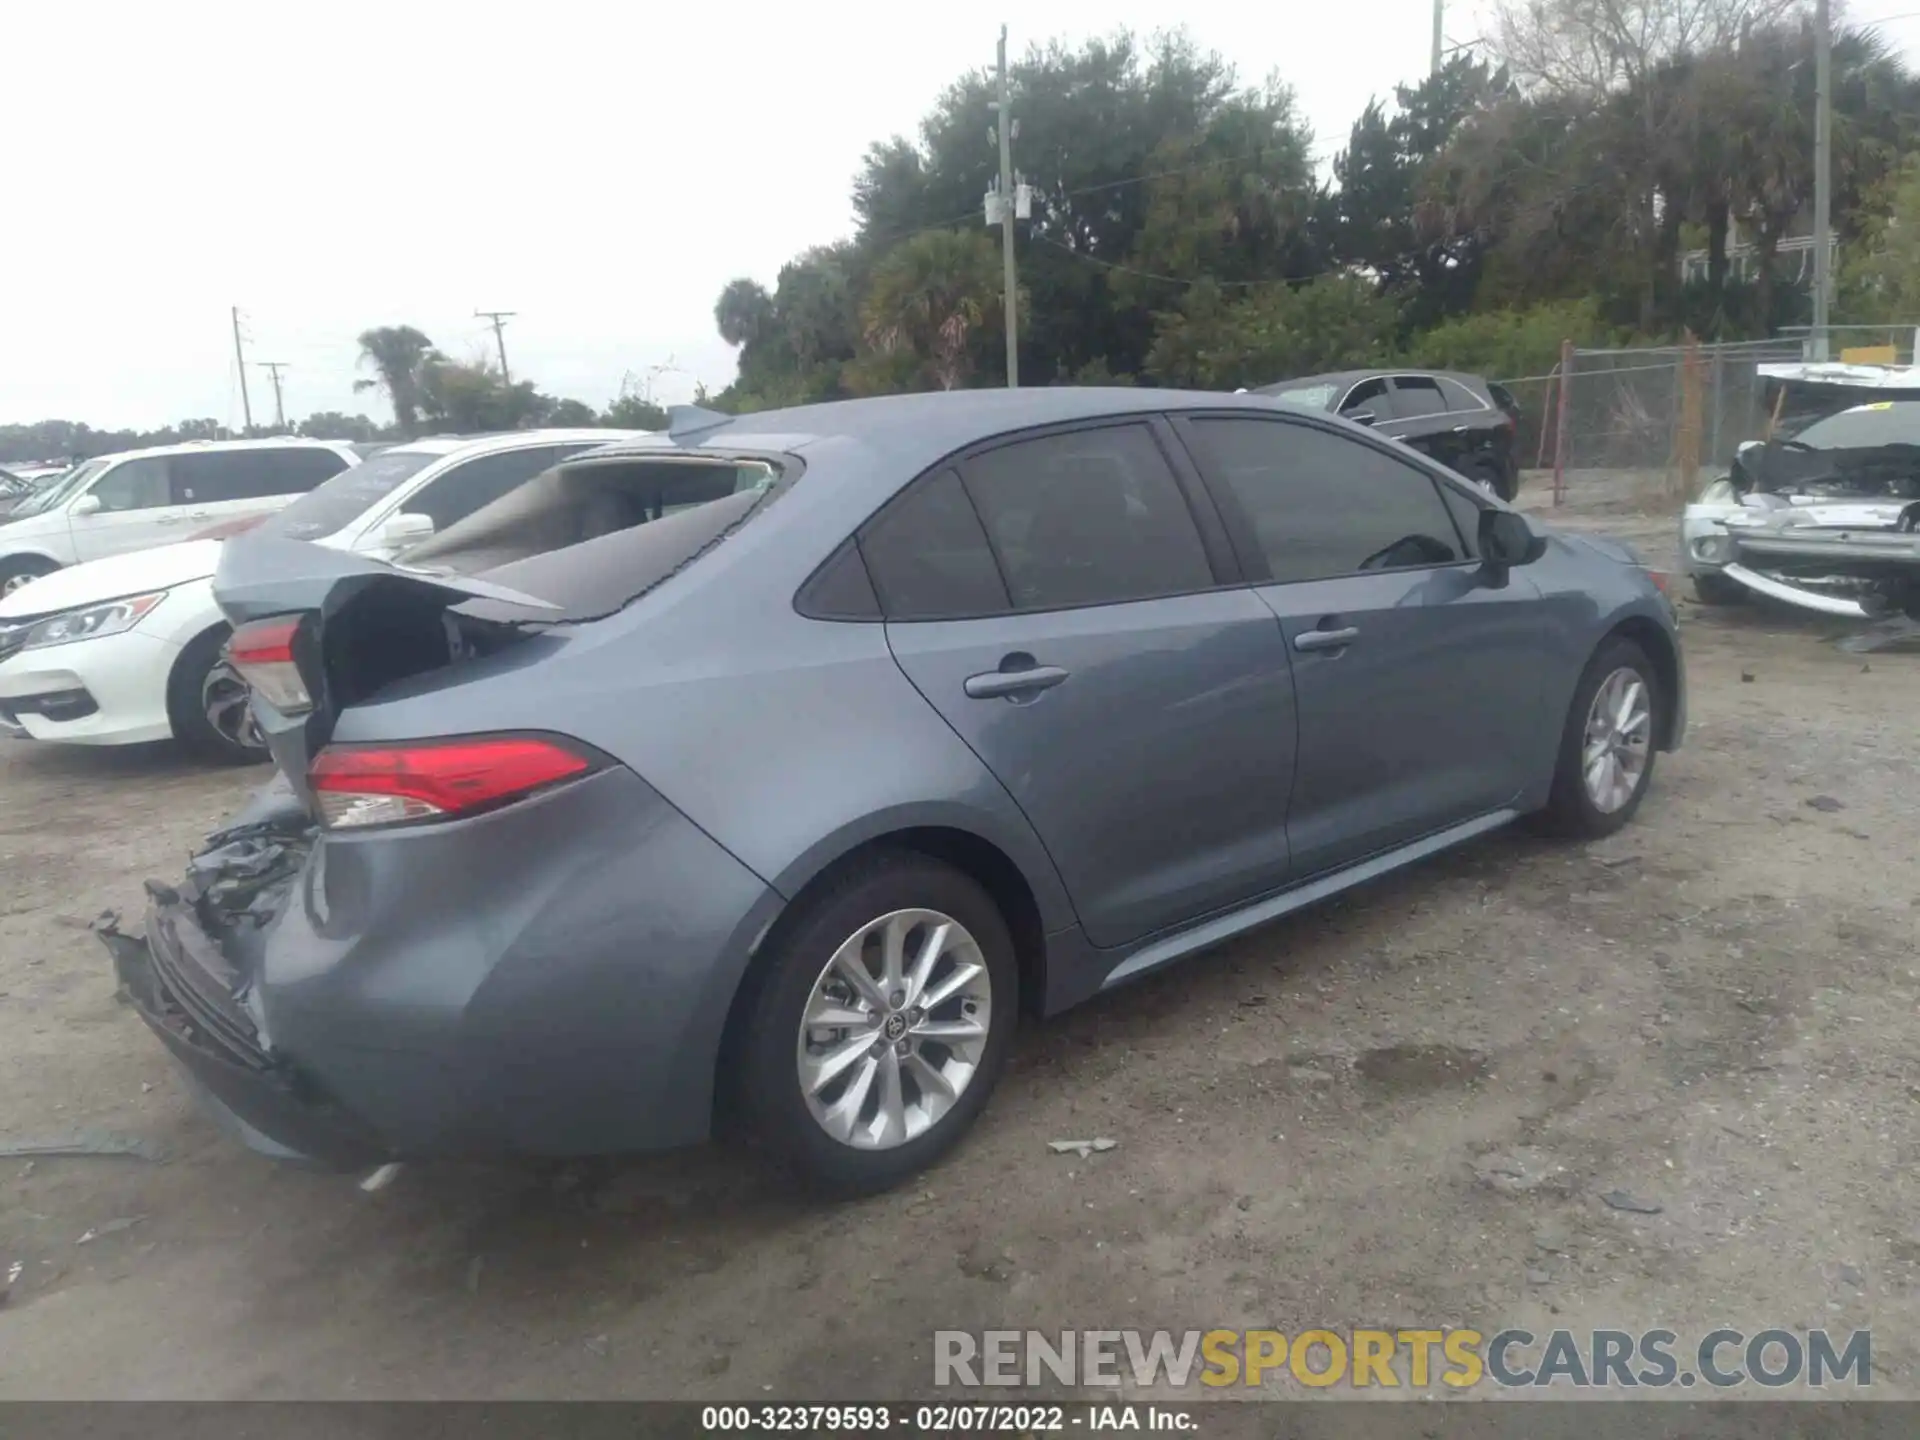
<point>85,505</point>
<point>1507,538</point>
<point>1363,417</point>
<point>406,528</point>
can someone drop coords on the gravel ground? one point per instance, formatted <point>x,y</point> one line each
<point>1401,1108</point>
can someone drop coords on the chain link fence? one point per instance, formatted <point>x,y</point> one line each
<point>1651,418</point>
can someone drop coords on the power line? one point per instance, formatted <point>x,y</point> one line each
<point>893,236</point>
<point>499,319</point>
<point>1186,279</point>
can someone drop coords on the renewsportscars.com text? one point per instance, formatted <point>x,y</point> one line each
<point>1389,1359</point>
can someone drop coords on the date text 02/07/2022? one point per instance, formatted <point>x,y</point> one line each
<point>942,1419</point>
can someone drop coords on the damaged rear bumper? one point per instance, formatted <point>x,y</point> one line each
<point>552,978</point>
<point>181,986</point>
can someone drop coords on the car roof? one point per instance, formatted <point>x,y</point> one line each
<point>200,447</point>
<point>916,430</point>
<point>1342,379</point>
<point>503,440</point>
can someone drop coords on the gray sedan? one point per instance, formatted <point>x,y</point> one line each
<point>773,767</point>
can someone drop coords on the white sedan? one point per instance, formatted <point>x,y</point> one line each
<point>132,648</point>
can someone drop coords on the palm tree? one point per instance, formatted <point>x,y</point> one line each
<point>928,297</point>
<point>398,354</point>
<point>744,311</point>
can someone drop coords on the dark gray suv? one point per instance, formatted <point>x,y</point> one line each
<point>785,760</point>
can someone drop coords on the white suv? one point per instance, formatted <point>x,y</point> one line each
<point>131,649</point>
<point>140,498</point>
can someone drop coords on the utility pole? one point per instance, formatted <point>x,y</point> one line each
<point>1005,129</point>
<point>273,368</point>
<point>240,360</point>
<point>1439,19</point>
<point>499,319</point>
<point>1822,175</point>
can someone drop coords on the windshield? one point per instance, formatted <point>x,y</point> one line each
<point>1884,422</point>
<point>58,492</point>
<point>334,504</point>
<point>1314,397</point>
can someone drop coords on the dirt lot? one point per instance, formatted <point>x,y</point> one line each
<point>1401,1108</point>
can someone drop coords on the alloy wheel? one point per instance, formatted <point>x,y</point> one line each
<point>1618,740</point>
<point>227,703</point>
<point>894,1029</point>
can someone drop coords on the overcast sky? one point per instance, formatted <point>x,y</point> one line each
<point>602,169</point>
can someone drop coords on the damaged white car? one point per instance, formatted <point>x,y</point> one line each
<point>1826,518</point>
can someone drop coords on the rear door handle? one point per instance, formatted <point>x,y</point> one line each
<point>1326,639</point>
<point>1005,684</point>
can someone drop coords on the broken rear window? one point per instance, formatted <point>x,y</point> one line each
<point>596,534</point>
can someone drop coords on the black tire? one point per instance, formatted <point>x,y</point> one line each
<point>769,1095</point>
<point>1571,812</point>
<point>187,710</point>
<point>18,570</point>
<point>1711,589</point>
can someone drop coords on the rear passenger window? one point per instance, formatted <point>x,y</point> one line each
<point>928,556</point>
<point>842,590</point>
<point>209,477</point>
<point>295,472</point>
<point>1459,397</point>
<point>1416,395</point>
<point>1091,517</point>
<point>1367,395</point>
<point>1323,505</point>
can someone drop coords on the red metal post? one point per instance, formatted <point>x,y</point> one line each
<point>1546,417</point>
<point>1560,426</point>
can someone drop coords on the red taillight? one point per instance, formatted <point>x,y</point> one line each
<point>360,785</point>
<point>263,654</point>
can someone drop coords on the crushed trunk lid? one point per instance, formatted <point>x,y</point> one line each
<point>363,623</point>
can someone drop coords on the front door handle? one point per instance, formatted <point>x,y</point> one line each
<point>1326,639</point>
<point>1008,684</point>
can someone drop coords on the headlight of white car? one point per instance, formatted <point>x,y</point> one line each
<point>91,621</point>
